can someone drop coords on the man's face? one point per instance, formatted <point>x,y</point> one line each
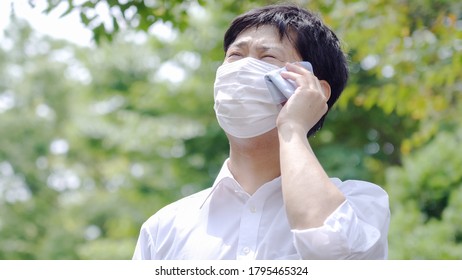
<point>262,43</point>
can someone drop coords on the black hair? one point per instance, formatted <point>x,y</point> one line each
<point>312,39</point>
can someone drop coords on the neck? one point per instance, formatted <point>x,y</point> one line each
<point>253,162</point>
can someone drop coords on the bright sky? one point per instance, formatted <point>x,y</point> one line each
<point>68,27</point>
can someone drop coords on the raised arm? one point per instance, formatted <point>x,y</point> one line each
<point>309,195</point>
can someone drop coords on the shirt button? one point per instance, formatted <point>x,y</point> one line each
<point>245,250</point>
<point>253,209</point>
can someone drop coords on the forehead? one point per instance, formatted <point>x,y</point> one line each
<point>266,36</point>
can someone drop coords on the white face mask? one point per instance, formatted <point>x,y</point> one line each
<point>243,104</point>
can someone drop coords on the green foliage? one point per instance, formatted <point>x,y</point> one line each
<point>107,17</point>
<point>96,139</point>
<point>425,193</point>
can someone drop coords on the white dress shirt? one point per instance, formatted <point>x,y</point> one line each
<point>225,222</point>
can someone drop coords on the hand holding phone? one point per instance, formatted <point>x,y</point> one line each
<point>280,88</point>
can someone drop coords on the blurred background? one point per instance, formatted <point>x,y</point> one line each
<point>106,115</point>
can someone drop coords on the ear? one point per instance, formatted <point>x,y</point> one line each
<point>325,88</point>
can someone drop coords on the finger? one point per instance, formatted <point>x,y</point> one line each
<point>303,79</point>
<point>299,69</point>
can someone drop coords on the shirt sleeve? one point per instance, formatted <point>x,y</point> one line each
<point>357,229</point>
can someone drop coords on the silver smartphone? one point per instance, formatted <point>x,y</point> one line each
<point>280,88</point>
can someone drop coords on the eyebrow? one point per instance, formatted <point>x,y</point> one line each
<point>262,48</point>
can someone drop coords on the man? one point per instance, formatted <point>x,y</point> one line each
<point>272,199</point>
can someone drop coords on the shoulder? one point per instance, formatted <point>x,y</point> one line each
<point>181,208</point>
<point>364,196</point>
<point>359,188</point>
<point>159,231</point>
<point>368,200</point>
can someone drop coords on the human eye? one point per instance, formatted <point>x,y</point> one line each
<point>233,53</point>
<point>233,56</point>
<point>271,58</point>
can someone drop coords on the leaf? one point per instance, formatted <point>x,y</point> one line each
<point>69,9</point>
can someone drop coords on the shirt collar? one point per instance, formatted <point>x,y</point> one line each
<point>225,174</point>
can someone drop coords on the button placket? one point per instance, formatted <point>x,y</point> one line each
<point>248,236</point>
